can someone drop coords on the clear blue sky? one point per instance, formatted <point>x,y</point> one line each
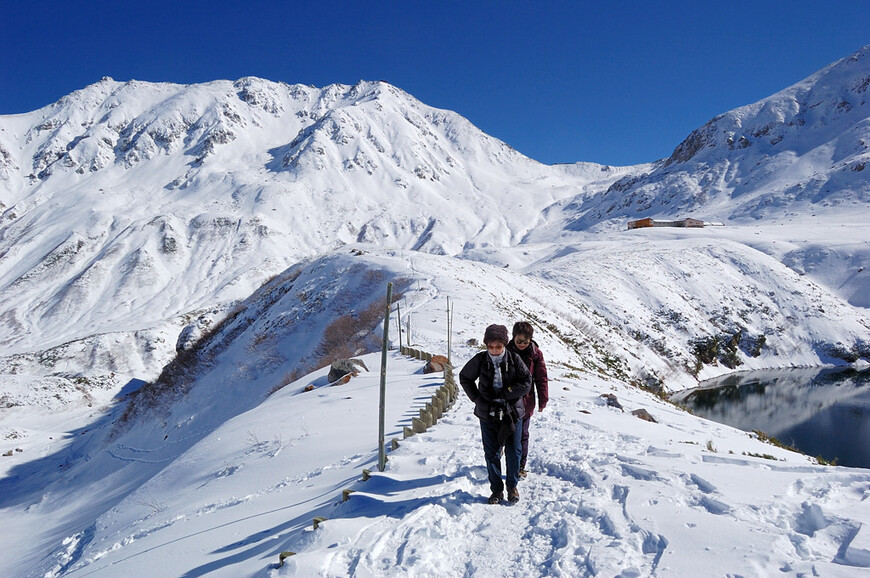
<point>619,82</point>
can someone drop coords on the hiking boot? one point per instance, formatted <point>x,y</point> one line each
<point>496,497</point>
<point>523,473</point>
<point>513,495</point>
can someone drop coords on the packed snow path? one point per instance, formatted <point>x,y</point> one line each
<point>607,494</point>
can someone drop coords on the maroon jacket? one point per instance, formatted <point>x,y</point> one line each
<point>534,360</point>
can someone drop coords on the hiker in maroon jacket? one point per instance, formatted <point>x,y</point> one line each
<point>523,345</point>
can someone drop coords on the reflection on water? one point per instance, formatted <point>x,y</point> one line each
<point>822,412</point>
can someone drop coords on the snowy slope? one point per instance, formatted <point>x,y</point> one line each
<point>798,157</point>
<point>803,150</point>
<point>219,476</point>
<point>608,494</point>
<point>132,210</point>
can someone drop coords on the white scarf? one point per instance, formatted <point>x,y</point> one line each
<point>497,378</point>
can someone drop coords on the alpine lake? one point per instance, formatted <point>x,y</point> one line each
<point>821,412</point>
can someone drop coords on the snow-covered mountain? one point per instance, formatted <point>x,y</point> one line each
<point>133,209</point>
<point>135,214</point>
<point>800,153</point>
<point>802,150</point>
<point>251,226</point>
<point>226,470</point>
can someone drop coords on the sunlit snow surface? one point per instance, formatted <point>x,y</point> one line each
<point>228,478</point>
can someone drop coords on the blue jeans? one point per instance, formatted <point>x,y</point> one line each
<point>525,453</point>
<point>492,453</point>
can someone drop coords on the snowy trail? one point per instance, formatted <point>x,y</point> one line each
<point>607,494</point>
<point>651,500</point>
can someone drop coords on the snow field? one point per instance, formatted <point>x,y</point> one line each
<point>608,494</point>
<point>228,477</point>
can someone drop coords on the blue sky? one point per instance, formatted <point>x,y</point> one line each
<point>621,82</point>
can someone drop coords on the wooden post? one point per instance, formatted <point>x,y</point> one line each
<point>426,418</point>
<point>399,324</point>
<point>449,328</point>
<point>382,452</point>
<point>438,405</point>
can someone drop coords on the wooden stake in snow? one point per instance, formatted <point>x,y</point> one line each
<point>450,331</point>
<point>382,453</point>
<point>399,324</point>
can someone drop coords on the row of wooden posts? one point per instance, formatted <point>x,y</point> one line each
<point>441,402</point>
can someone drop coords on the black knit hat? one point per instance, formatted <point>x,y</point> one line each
<point>496,333</point>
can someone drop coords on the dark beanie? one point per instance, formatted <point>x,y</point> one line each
<point>496,333</point>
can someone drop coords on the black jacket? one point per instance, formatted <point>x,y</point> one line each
<point>515,378</point>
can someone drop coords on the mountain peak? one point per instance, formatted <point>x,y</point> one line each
<point>278,171</point>
<point>805,145</point>
<point>829,101</point>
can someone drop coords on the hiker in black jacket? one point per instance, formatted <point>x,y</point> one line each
<point>496,380</point>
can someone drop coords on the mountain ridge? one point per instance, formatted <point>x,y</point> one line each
<point>215,171</point>
<point>804,146</point>
<point>134,212</point>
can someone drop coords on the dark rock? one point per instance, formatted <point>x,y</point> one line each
<point>611,400</point>
<point>342,367</point>
<point>644,415</point>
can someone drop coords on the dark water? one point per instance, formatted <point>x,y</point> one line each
<point>822,412</point>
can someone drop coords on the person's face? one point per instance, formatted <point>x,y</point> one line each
<point>496,348</point>
<point>521,341</point>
